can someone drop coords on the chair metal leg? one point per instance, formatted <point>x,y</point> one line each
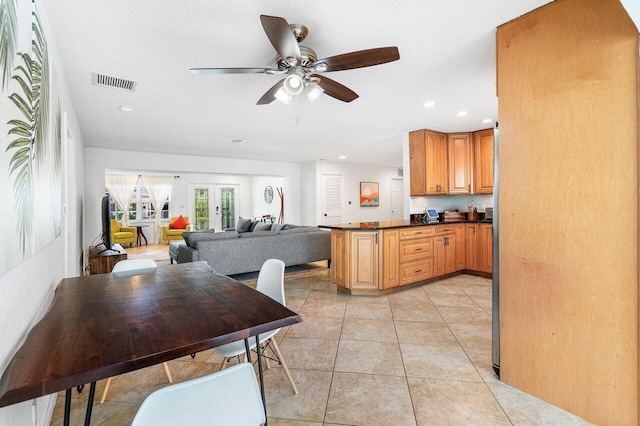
<point>284,364</point>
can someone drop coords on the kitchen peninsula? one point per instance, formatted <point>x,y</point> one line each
<point>372,258</point>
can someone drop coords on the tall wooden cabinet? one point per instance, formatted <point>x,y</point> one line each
<point>428,163</point>
<point>460,163</point>
<point>568,93</point>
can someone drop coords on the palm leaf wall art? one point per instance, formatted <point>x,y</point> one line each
<point>20,165</point>
<point>8,39</point>
<point>29,147</point>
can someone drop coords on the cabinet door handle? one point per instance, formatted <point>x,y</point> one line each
<point>419,249</point>
<point>418,233</point>
<point>418,270</point>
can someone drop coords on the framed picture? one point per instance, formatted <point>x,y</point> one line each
<point>369,196</point>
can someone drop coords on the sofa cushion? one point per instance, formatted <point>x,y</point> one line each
<point>179,223</point>
<point>261,226</point>
<point>277,227</point>
<point>257,234</point>
<point>290,226</point>
<point>243,225</point>
<point>299,230</point>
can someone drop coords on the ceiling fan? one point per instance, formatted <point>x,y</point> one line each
<point>301,66</point>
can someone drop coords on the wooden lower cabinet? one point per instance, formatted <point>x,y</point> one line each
<point>472,246</point>
<point>339,257</point>
<point>390,259</point>
<point>486,251</point>
<point>366,262</point>
<point>416,271</point>
<point>460,247</point>
<point>363,265</point>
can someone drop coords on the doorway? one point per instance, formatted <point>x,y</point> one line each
<point>213,206</point>
<point>397,199</point>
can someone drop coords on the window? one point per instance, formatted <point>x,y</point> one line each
<point>140,207</point>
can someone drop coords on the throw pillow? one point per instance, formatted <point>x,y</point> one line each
<point>261,226</point>
<point>179,223</point>
<point>277,227</point>
<point>243,225</point>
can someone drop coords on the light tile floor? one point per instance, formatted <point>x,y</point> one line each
<point>420,356</point>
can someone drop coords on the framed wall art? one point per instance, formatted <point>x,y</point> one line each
<point>369,196</point>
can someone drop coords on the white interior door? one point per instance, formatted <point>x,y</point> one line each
<point>331,199</point>
<point>397,199</point>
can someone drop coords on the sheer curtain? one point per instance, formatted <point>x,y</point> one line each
<point>159,189</point>
<point>121,188</point>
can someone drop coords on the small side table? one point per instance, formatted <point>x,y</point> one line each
<point>141,235</point>
<point>102,263</point>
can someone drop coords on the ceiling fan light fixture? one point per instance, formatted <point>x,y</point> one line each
<point>293,85</point>
<point>321,67</point>
<point>283,96</point>
<point>313,91</point>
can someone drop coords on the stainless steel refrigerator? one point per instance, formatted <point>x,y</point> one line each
<point>495,352</point>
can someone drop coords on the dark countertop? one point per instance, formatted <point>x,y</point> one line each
<point>391,224</point>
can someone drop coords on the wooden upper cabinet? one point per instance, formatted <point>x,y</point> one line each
<point>428,163</point>
<point>417,163</point>
<point>483,162</point>
<point>460,161</point>
<point>437,178</point>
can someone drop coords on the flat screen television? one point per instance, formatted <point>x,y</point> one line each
<point>106,222</point>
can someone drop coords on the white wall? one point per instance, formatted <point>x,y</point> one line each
<point>352,175</point>
<point>259,206</point>
<point>98,160</point>
<point>446,202</point>
<point>309,193</point>
<point>26,290</point>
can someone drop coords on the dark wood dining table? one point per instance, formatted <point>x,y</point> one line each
<point>103,325</point>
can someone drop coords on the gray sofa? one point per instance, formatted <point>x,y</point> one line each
<point>233,252</point>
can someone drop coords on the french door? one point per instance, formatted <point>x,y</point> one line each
<point>213,206</point>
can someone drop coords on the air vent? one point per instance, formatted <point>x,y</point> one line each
<point>113,82</point>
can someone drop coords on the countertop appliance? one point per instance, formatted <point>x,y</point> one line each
<point>488,213</point>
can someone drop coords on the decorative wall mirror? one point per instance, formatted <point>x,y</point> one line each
<point>268,194</point>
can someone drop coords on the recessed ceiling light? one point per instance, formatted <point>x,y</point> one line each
<point>236,141</point>
<point>429,104</point>
<point>461,113</point>
<point>343,157</point>
<point>487,120</point>
<point>127,108</point>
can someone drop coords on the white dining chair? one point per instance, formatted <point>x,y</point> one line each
<point>132,266</point>
<point>270,283</point>
<point>228,397</point>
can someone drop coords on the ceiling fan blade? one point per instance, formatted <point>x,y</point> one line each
<point>360,59</point>
<point>270,95</point>
<point>230,70</point>
<point>281,36</point>
<point>336,90</point>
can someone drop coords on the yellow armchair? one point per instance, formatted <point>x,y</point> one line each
<point>122,234</point>
<point>169,234</point>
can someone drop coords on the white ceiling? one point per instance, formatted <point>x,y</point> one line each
<point>447,54</point>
